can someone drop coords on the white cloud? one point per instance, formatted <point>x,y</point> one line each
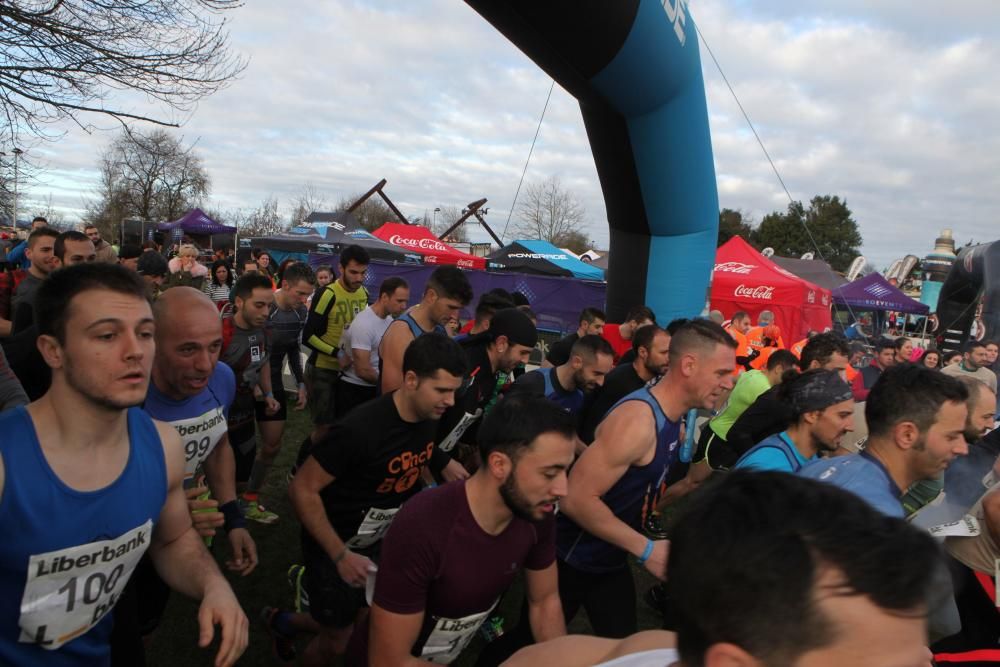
<point>889,105</point>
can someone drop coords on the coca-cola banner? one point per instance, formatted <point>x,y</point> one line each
<point>745,280</point>
<point>419,239</point>
<point>556,301</point>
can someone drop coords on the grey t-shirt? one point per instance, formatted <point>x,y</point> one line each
<point>364,333</point>
<point>983,374</point>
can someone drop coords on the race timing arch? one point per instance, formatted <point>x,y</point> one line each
<point>975,272</point>
<point>634,67</point>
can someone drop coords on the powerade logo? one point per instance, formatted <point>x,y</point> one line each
<point>536,255</point>
<point>676,11</point>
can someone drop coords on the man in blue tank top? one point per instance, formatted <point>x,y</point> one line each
<point>618,480</point>
<point>89,482</point>
<point>824,404</point>
<point>447,291</point>
<point>590,359</point>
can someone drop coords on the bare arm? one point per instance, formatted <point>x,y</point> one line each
<point>363,365</point>
<point>624,438</point>
<point>184,563</point>
<point>397,337</point>
<point>220,471</point>
<point>584,650</point>
<point>265,377</point>
<point>5,327</point>
<point>391,638</point>
<point>544,606</point>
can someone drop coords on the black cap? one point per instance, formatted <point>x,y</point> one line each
<point>515,325</point>
<point>130,251</point>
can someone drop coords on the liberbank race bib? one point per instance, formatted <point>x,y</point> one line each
<point>200,435</point>
<point>450,636</point>
<point>372,528</point>
<point>461,427</point>
<point>69,591</point>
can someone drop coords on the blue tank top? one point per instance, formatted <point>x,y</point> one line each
<point>75,550</point>
<point>631,498</point>
<point>416,329</point>
<point>572,401</point>
<point>778,443</point>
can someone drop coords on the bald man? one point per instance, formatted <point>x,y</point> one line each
<point>192,391</point>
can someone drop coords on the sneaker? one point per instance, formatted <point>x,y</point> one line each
<point>282,645</point>
<point>295,574</point>
<point>254,511</point>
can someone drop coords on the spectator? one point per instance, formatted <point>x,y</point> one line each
<point>885,356</point>
<point>220,282</point>
<point>185,269</point>
<point>973,364</point>
<point>105,251</point>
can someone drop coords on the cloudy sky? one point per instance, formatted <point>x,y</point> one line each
<point>891,105</point>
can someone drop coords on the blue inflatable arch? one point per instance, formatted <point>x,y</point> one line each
<point>634,66</point>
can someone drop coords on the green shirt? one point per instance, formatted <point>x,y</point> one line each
<point>750,385</point>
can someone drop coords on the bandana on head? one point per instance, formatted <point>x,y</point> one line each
<point>817,390</point>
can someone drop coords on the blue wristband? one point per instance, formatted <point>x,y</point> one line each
<point>647,552</point>
<point>233,516</point>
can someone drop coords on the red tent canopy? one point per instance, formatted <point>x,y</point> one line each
<point>417,238</point>
<point>744,279</point>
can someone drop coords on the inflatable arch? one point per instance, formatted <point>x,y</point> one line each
<point>634,67</point>
<point>975,272</point>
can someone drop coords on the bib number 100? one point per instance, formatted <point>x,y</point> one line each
<point>90,589</point>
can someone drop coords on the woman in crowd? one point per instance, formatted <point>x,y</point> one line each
<point>220,283</point>
<point>931,358</point>
<point>185,269</point>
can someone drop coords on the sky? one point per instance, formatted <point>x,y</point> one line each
<point>890,105</point>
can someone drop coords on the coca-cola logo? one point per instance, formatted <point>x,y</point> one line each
<point>762,292</point>
<point>422,244</point>
<point>465,262</point>
<point>735,267</point>
<point>811,296</point>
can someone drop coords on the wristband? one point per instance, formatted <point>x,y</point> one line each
<point>268,394</point>
<point>339,557</point>
<point>302,385</point>
<point>233,516</point>
<point>647,552</point>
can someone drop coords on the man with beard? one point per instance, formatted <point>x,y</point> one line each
<point>651,348</point>
<point>505,345</point>
<point>452,551</point>
<point>446,292</point>
<point>567,385</point>
<point>105,251</point>
<point>41,253</point>
<point>85,476</point>
<point>351,487</point>
<point>245,350</point>
<point>591,323</point>
<point>190,390</point>
<point>825,407</point>
<point>974,364</point>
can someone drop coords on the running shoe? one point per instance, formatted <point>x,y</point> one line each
<point>254,511</point>
<point>282,645</point>
<point>295,574</point>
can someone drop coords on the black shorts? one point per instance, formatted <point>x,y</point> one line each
<point>332,602</point>
<point>260,408</point>
<point>322,383</point>
<point>716,451</point>
<point>243,433</point>
<point>350,396</point>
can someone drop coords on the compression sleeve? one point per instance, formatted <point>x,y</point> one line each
<point>316,323</point>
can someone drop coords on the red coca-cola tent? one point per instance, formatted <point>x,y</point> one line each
<point>744,279</point>
<point>417,238</point>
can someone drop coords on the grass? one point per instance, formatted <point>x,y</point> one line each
<point>175,642</point>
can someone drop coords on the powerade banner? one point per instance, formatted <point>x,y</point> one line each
<point>556,301</point>
<point>541,257</point>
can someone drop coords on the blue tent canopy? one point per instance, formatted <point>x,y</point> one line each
<point>543,258</point>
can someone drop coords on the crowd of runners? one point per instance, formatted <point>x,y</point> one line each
<point>834,513</point>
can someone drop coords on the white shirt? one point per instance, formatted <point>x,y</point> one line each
<point>364,333</point>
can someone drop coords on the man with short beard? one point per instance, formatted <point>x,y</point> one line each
<point>567,385</point>
<point>105,251</point>
<point>452,551</point>
<point>974,364</point>
<point>650,347</point>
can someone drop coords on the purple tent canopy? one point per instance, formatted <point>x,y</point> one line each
<point>196,222</point>
<point>873,292</point>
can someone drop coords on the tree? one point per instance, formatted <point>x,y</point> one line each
<point>261,221</point>
<point>834,231</point>
<point>372,214</point>
<point>446,217</point>
<point>62,59</point>
<point>307,201</point>
<point>150,176</point>
<point>734,223</point>
<point>576,242</point>
<point>548,212</point>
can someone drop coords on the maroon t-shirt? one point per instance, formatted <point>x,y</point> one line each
<point>437,560</point>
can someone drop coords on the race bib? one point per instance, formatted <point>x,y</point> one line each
<point>450,636</point>
<point>200,435</point>
<point>967,526</point>
<point>256,354</point>
<point>375,523</point>
<point>69,591</point>
<point>461,427</point>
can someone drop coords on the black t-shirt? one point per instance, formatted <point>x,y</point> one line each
<point>375,458</point>
<point>618,384</point>
<point>559,350</point>
<point>461,422</point>
<point>765,416</point>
